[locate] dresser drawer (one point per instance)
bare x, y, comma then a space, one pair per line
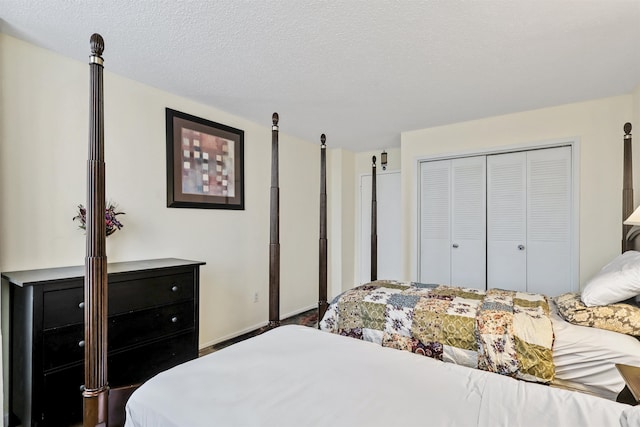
141, 363
66, 306
63, 402
63, 307
140, 326
149, 292
65, 345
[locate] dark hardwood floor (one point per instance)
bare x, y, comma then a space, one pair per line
307, 318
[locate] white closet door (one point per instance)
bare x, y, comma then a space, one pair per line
435, 253
549, 221
468, 222
506, 221
389, 207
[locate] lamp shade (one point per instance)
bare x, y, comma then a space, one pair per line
634, 218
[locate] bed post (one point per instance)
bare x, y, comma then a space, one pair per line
322, 282
96, 390
274, 246
627, 188
374, 223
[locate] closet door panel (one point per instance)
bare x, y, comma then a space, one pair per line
506, 221
468, 222
549, 221
435, 252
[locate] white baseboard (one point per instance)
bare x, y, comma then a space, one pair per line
253, 328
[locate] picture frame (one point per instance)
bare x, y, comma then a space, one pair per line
205, 163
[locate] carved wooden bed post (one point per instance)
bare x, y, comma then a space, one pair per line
374, 225
627, 188
96, 390
322, 272
274, 246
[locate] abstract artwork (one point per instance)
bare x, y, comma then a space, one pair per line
204, 163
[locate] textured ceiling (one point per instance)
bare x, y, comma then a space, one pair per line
359, 71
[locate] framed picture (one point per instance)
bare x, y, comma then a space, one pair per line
205, 163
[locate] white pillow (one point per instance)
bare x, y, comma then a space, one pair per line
617, 281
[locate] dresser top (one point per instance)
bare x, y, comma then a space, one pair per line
33, 277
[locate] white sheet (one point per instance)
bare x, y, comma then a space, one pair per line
585, 357
299, 376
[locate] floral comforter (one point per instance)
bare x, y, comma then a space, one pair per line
499, 331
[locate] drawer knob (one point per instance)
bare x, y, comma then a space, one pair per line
174, 288
174, 319
81, 305
81, 343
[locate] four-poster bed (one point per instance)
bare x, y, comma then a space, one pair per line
278, 377
268, 380
322, 262
627, 188
95, 287
152, 321
274, 246
374, 222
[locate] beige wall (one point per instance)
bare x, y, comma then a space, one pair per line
341, 201
635, 122
43, 140
598, 127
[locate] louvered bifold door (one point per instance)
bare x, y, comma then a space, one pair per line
468, 222
435, 254
506, 221
549, 221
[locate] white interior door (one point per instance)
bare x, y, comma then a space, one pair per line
506, 221
389, 211
468, 222
435, 214
549, 221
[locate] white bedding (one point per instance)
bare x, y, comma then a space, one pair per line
299, 376
585, 357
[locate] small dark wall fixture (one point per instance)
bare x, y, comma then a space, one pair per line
205, 163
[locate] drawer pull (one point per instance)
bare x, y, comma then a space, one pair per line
174, 288
81, 343
81, 305
174, 319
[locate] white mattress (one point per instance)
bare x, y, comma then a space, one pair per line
299, 376
585, 357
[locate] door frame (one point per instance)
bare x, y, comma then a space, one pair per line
573, 142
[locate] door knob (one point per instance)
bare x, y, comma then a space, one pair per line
521, 247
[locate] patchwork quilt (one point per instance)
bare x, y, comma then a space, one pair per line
500, 331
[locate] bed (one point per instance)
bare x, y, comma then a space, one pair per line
584, 358
293, 375
299, 376
512, 333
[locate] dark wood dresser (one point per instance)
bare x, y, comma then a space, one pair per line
153, 325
